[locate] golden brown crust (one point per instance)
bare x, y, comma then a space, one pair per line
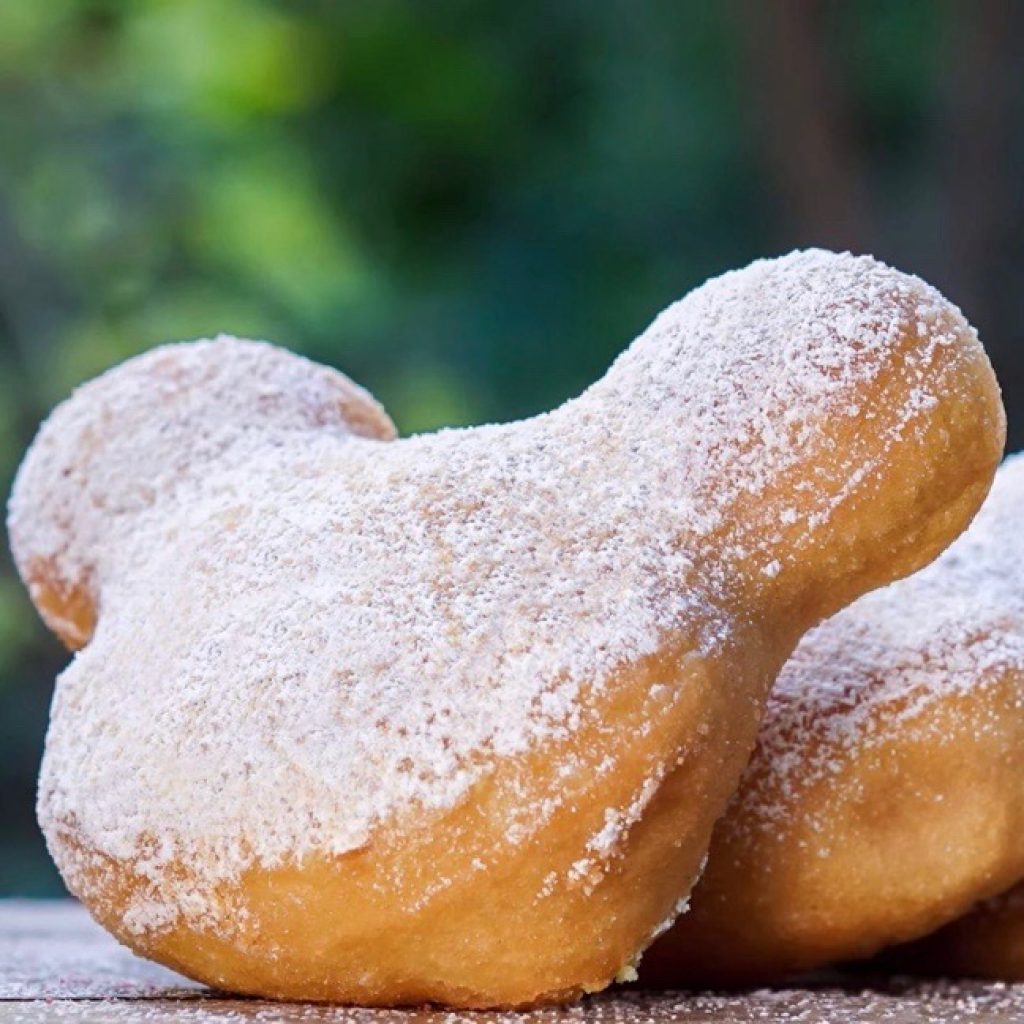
902, 840
68, 608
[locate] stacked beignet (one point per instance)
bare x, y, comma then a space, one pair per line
886, 793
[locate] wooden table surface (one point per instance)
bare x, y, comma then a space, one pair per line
56, 965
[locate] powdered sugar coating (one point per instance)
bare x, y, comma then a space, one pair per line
870, 674
139, 432
362, 630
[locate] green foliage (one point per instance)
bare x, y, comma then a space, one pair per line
468, 207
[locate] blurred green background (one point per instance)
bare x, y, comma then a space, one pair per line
469, 207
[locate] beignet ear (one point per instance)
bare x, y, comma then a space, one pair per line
138, 433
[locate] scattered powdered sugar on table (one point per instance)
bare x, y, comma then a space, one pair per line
52, 950
899, 1002
305, 632
873, 671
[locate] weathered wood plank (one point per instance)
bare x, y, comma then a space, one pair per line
56, 965
53, 950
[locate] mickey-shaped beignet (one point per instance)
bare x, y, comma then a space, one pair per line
450, 718
886, 793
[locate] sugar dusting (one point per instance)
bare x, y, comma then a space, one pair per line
932, 1003
318, 633
873, 671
